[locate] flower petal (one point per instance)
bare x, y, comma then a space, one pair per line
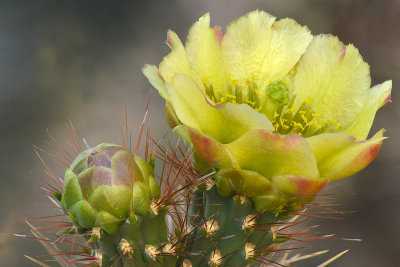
176, 61
378, 96
297, 186
351, 159
273, 154
236, 120
170, 116
209, 149
204, 53
335, 77
187, 101
153, 75
246, 182
257, 46
324, 145
225, 122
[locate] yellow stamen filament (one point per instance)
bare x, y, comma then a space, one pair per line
302, 121
304, 118
206, 80
230, 96
250, 102
287, 118
250, 81
234, 93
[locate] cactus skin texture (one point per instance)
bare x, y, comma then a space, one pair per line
112, 198
230, 236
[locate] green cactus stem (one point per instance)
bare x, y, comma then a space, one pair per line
229, 230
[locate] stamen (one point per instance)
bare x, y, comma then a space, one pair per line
234, 93
287, 118
230, 96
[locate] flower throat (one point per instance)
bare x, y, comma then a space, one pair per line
287, 118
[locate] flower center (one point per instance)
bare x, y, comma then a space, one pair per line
236, 93
302, 121
287, 118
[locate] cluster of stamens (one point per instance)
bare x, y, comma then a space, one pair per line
236, 93
301, 121
287, 118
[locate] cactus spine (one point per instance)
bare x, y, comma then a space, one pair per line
112, 198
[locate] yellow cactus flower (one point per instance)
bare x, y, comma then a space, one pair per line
281, 112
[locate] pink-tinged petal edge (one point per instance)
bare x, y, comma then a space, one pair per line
387, 100
306, 188
209, 149
367, 156
169, 41
218, 34
160, 75
360, 162
342, 52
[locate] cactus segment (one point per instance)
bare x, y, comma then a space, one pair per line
239, 224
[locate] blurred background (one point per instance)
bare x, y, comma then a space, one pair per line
81, 60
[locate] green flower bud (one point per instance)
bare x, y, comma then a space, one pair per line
107, 184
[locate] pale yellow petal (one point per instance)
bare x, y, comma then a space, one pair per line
176, 61
255, 46
224, 122
378, 96
274, 154
188, 102
153, 75
335, 77
204, 54
351, 159
324, 145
